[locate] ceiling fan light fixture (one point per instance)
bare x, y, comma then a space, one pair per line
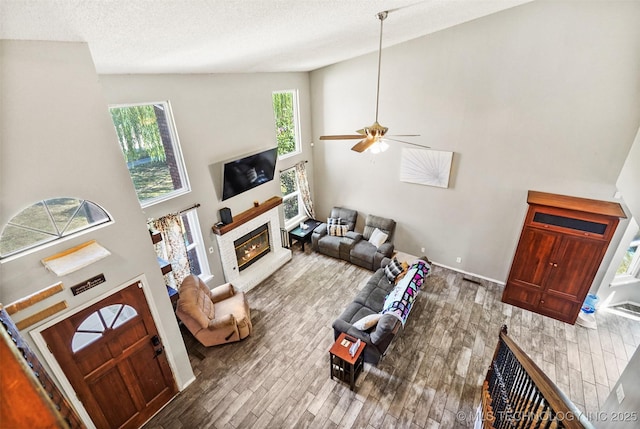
378, 147
372, 136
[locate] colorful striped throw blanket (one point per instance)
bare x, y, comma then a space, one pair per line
401, 298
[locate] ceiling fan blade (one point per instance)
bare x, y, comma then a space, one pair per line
341, 137
403, 141
363, 145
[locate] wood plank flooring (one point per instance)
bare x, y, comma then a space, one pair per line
430, 377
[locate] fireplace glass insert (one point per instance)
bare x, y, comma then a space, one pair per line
252, 246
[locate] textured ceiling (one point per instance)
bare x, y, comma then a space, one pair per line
231, 36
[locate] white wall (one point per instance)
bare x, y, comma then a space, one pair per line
218, 117
542, 96
629, 186
58, 141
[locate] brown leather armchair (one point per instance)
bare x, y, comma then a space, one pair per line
214, 316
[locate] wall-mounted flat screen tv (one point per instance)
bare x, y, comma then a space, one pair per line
246, 173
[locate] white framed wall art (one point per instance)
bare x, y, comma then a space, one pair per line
426, 167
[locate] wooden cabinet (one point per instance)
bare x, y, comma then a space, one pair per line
560, 250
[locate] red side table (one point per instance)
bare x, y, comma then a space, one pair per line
343, 366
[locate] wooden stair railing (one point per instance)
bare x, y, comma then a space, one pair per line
517, 394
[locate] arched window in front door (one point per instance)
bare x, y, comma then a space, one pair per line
93, 327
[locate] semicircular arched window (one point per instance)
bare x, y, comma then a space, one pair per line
94, 326
47, 221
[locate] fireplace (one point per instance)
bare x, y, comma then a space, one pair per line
229, 236
252, 246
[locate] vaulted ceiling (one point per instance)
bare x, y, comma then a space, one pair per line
231, 36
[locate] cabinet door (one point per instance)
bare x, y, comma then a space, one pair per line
530, 267
573, 267
531, 263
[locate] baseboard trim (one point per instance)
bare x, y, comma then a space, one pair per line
468, 273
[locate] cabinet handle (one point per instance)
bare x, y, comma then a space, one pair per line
553, 264
542, 301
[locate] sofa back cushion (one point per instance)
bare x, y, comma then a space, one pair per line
195, 306
347, 216
388, 226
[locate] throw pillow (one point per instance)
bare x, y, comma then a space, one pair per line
405, 268
367, 322
392, 270
333, 221
338, 230
378, 238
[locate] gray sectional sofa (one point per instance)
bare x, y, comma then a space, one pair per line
388, 301
353, 246
369, 301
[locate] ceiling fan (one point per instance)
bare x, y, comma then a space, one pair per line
372, 137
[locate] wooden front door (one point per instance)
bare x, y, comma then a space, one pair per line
113, 358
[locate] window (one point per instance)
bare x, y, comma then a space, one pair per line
630, 265
195, 247
149, 143
285, 109
182, 246
93, 327
291, 200
628, 270
47, 221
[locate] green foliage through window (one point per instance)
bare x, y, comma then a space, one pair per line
285, 109
47, 221
630, 260
149, 145
290, 194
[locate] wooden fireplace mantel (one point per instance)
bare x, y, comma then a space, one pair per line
247, 215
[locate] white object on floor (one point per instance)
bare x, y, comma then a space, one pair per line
587, 320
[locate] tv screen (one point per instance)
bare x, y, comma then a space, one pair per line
248, 172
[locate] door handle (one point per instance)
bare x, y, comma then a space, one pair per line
155, 341
158, 352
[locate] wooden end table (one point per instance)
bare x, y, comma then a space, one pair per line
303, 235
343, 366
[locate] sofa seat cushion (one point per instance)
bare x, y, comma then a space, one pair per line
235, 305
372, 296
330, 245
355, 312
363, 250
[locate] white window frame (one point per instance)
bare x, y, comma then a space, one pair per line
177, 152
198, 245
632, 275
301, 216
296, 122
60, 235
